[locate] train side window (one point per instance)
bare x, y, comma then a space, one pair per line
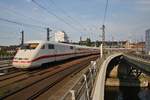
71, 47
50, 46
43, 47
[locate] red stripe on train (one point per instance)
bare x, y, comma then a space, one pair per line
48, 56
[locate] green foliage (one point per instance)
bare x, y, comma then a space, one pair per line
97, 44
88, 42
4, 53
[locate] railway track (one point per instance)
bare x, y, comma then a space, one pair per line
5, 62
30, 85
6, 67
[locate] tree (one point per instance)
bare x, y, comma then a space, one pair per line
88, 42
97, 43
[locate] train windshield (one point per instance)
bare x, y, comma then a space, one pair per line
29, 46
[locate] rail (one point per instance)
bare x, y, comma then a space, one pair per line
86, 86
6, 57
5, 70
83, 88
98, 92
142, 62
140, 56
5, 67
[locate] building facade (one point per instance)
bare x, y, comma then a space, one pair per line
61, 36
147, 41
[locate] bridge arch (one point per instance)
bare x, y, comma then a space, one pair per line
98, 93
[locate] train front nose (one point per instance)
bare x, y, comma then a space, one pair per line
21, 64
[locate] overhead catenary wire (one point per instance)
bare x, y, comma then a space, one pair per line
105, 12
29, 17
21, 24
104, 20
53, 14
22, 14
84, 28
67, 15
8, 37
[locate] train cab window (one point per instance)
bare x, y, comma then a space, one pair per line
71, 47
50, 46
29, 46
43, 47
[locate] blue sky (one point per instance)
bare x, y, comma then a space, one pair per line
126, 19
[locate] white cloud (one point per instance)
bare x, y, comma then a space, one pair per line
144, 2
28, 0
143, 5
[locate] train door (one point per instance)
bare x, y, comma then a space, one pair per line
71, 51
51, 52
59, 52
47, 53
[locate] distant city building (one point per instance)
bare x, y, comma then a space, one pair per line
117, 44
109, 44
9, 49
2, 47
61, 37
147, 41
139, 46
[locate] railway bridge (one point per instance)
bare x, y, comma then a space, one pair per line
112, 69
125, 66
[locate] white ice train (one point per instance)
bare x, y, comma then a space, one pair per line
36, 53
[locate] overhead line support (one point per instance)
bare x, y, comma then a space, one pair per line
48, 34
103, 34
22, 37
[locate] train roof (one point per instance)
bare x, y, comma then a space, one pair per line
35, 41
43, 42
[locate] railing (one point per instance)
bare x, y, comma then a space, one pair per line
6, 57
140, 56
83, 88
99, 88
141, 61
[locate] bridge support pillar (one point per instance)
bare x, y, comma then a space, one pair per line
73, 94
91, 76
87, 89
134, 71
101, 50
